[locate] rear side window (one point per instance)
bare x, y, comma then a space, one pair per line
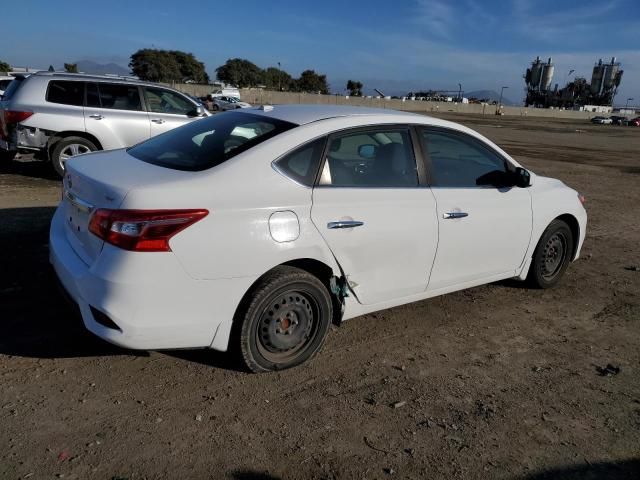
66, 92
301, 165
209, 142
13, 87
114, 96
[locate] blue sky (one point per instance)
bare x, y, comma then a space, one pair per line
395, 46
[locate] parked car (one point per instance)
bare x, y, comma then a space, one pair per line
254, 230
228, 103
226, 92
619, 120
601, 120
634, 122
60, 115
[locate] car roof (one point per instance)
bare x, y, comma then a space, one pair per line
303, 114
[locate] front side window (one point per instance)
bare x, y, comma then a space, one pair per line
160, 100
376, 158
209, 142
301, 165
66, 92
459, 160
118, 96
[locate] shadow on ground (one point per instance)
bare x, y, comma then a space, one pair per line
624, 470
35, 317
27, 167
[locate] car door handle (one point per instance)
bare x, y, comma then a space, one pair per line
96, 116
157, 120
454, 215
345, 224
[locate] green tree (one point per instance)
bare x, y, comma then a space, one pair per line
4, 66
167, 66
355, 88
276, 79
190, 67
311, 82
240, 72
71, 67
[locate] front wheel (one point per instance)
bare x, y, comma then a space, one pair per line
285, 320
69, 147
551, 256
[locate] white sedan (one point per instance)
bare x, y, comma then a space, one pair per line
254, 230
228, 103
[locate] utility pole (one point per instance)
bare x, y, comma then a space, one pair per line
499, 107
279, 77
460, 92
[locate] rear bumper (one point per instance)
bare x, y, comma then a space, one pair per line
149, 296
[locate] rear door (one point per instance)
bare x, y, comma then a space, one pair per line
168, 109
484, 227
114, 114
375, 213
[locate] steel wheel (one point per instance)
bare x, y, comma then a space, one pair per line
283, 320
286, 326
551, 256
554, 255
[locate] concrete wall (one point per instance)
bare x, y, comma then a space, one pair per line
259, 97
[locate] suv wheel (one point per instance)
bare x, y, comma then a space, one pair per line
67, 148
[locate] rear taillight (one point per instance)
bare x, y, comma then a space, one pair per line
15, 116
142, 230
581, 198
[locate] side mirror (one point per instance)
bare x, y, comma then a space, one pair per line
522, 178
197, 112
367, 151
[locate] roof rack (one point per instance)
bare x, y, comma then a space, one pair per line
90, 75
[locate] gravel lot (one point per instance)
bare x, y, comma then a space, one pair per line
494, 382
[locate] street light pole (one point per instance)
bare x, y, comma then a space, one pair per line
279, 77
499, 107
460, 92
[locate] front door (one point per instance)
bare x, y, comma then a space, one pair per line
485, 227
377, 218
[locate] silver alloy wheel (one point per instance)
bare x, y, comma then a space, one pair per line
72, 150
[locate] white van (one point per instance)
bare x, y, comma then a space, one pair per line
226, 92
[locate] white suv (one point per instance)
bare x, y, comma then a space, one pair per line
60, 115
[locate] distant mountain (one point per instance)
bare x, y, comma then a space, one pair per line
490, 95
87, 66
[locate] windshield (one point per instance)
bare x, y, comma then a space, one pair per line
209, 142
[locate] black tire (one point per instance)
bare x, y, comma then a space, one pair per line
551, 256
215, 107
57, 156
7, 156
284, 320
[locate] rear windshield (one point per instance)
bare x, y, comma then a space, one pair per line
208, 142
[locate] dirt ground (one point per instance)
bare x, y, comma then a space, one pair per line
499, 381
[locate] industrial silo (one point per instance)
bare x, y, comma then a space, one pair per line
597, 77
547, 76
611, 72
536, 73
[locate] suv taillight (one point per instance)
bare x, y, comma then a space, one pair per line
142, 230
15, 116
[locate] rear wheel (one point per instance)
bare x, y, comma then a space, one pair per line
552, 255
285, 320
67, 148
